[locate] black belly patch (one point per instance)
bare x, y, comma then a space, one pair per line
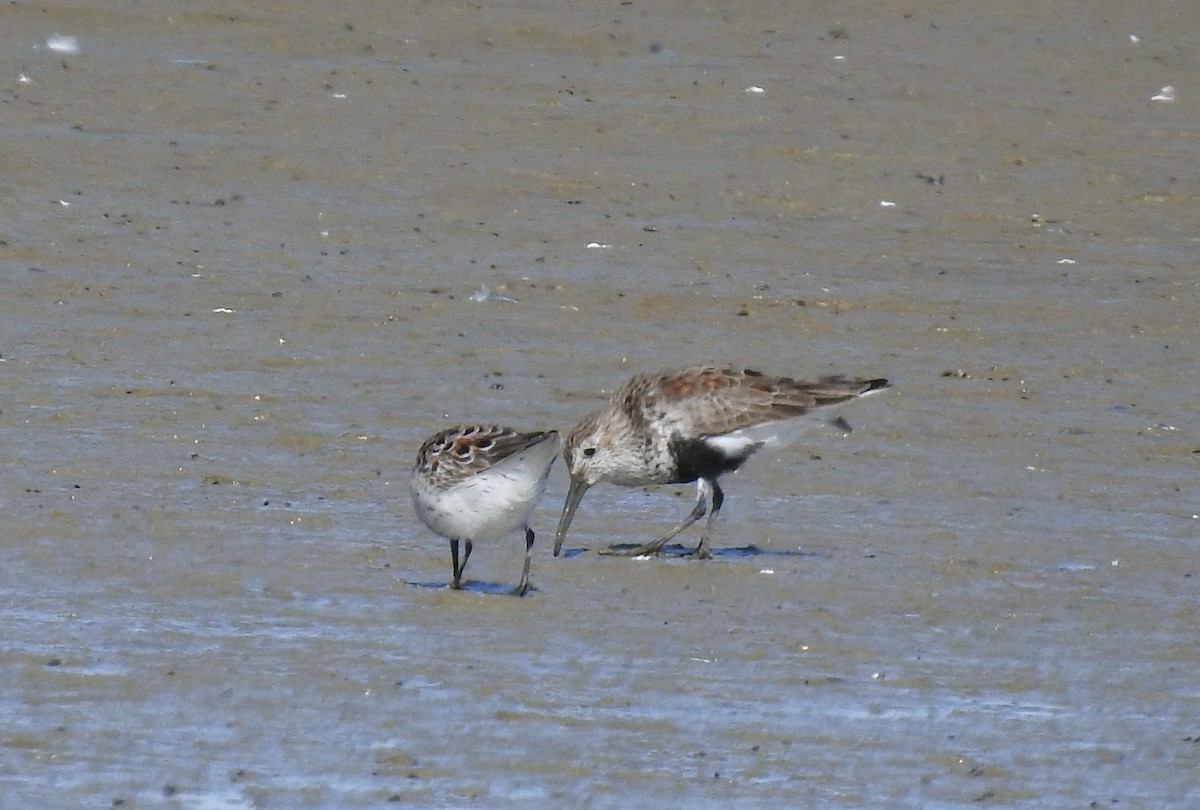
696, 459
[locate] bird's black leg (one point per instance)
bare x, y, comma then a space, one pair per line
702, 551
524, 585
704, 487
458, 569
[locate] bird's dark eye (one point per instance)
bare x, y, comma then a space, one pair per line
588, 452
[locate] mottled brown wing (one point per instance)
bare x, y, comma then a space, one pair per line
475, 447
705, 401
510, 443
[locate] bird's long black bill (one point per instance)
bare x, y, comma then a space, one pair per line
574, 496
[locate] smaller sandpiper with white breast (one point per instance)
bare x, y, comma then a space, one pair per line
481, 482
694, 424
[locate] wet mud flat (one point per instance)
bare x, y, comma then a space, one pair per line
250, 258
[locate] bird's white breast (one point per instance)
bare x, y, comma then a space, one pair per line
491, 503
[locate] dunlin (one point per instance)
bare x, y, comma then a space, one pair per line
481, 482
693, 425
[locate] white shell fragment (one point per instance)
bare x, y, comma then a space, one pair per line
483, 295
60, 43
1166, 94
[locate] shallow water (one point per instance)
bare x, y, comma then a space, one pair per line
237, 258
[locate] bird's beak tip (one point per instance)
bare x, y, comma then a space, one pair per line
574, 495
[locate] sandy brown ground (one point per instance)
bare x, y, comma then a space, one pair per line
238, 246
